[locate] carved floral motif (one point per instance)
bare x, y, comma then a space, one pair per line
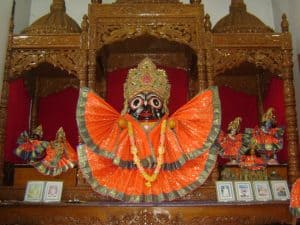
24, 60
228, 58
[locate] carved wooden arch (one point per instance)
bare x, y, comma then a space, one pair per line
268, 59
25, 60
180, 33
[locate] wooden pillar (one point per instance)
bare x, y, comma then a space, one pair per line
201, 70
83, 70
4, 98
92, 59
290, 115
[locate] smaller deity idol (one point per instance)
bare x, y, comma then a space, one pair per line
269, 138
31, 147
252, 162
232, 141
295, 199
59, 156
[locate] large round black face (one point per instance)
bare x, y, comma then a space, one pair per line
146, 106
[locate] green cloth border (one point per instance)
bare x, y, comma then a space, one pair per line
295, 211
149, 162
87, 173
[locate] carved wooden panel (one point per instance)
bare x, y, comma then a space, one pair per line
24, 60
46, 41
227, 58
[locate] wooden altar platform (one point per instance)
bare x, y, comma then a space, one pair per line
116, 213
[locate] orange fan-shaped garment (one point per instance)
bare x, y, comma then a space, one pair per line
295, 198
59, 158
190, 147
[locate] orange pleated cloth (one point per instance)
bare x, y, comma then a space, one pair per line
190, 142
59, 158
231, 146
295, 198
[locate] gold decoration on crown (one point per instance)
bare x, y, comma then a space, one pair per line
269, 115
38, 131
60, 133
235, 124
146, 78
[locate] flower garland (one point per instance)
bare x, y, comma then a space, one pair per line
161, 150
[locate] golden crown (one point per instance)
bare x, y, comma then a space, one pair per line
38, 131
235, 124
60, 133
269, 115
146, 78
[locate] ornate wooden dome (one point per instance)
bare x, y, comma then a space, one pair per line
55, 22
240, 21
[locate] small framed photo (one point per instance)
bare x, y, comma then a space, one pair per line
262, 191
34, 191
225, 192
280, 190
53, 191
243, 191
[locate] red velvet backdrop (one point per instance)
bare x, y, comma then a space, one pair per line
177, 77
59, 110
17, 118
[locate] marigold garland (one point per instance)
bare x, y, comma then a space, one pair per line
161, 150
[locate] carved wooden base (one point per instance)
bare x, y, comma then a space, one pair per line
174, 213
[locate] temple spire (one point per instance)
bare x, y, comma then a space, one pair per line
58, 5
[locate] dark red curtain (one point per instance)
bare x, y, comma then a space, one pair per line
177, 77
59, 110
17, 118
275, 98
236, 104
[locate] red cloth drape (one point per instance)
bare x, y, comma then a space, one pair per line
17, 118
177, 77
234, 104
59, 110
275, 98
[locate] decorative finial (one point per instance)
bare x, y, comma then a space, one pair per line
237, 5
84, 23
207, 23
195, 2
284, 24
58, 5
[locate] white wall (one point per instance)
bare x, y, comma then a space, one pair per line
22, 15
5, 12
216, 8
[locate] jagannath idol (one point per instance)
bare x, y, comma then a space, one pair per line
143, 154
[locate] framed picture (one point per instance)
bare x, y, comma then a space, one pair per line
243, 190
225, 192
280, 190
53, 191
34, 191
262, 191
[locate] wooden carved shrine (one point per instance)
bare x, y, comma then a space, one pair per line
56, 54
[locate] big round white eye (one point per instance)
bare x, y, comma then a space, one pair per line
155, 102
136, 103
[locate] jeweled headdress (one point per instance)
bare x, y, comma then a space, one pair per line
235, 124
146, 78
38, 131
269, 115
60, 133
